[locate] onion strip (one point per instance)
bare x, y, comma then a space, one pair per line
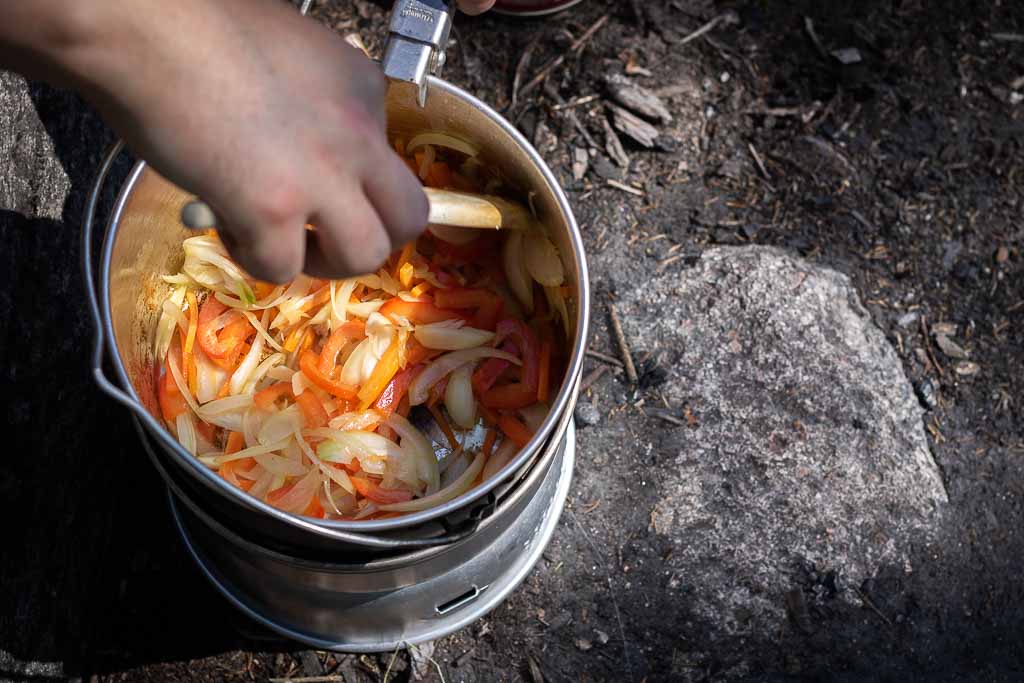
456, 489
442, 140
439, 369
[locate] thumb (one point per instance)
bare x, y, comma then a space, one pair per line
475, 6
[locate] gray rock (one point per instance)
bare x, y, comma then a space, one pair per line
587, 414
810, 450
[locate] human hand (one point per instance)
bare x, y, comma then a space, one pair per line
475, 6
275, 122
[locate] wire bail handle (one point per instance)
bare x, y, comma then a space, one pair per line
417, 38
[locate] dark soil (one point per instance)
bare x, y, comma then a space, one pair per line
904, 170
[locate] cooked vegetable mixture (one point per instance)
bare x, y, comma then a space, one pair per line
317, 396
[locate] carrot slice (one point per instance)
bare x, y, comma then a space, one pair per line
545, 371
235, 442
489, 440
515, 430
445, 427
368, 488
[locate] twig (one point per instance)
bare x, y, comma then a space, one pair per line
668, 417
928, 347
759, 161
552, 92
310, 679
809, 27
391, 663
559, 60
575, 102
592, 377
1009, 37
625, 188
620, 337
611, 360
611, 592
524, 61
874, 608
727, 17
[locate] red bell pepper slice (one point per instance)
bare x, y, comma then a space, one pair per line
266, 398
172, 403
523, 336
308, 363
510, 396
313, 413
396, 389
490, 370
353, 329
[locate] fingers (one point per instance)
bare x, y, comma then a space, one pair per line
265, 236
475, 6
398, 198
349, 238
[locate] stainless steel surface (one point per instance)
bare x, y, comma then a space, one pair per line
378, 606
417, 37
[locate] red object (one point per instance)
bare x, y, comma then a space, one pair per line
308, 363
396, 388
515, 430
491, 369
172, 403
313, 413
418, 313
510, 396
533, 7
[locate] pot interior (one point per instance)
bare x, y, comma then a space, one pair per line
145, 235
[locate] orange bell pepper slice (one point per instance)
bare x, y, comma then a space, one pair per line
419, 312
386, 369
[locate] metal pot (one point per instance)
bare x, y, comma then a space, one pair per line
243, 543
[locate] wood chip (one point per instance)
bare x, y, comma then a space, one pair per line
580, 163
949, 347
633, 126
613, 146
967, 368
637, 98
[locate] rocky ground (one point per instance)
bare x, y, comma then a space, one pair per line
816, 263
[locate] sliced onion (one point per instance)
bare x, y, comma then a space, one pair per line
515, 271
186, 432
439, 369
341, 297
262, 331
210, 377
454, 466
280, 466
429, 155
442, 140
370, 280
262, 370
456, 489
248, 365
281, 374
280, 425
362, 420
172, 363
450, 338
366, 308
165, 327
369, 509
298, 498
218, 460
263, 485
458, 397
338, 476
541, 259
371, 450
414, 442
499, 458
342, 502
226, 405
234, 422
534, 416
557, 302
453, 235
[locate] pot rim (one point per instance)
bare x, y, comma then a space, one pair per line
561, 404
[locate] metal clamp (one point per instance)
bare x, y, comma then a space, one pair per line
417, 38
